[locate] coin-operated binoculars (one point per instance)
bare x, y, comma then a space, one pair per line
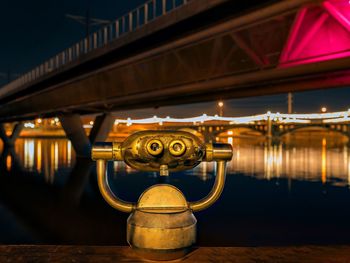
161, 224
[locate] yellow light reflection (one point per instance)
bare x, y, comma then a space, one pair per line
287, 168
69, 152
63, 153
8, 162
287, 171
38, 156
345, 161
324, 161
278, 160
116, 167
204, 166
268, 160
50, 176
56, 156
29, 154
311, 159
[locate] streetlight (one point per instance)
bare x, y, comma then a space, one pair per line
221, 110
323, 109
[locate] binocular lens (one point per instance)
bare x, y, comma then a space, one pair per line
155, 147
177, 148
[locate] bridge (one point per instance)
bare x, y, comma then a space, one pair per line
169, 52
270, 125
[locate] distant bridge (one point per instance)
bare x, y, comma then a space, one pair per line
271, 125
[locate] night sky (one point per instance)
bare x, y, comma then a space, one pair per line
33, 31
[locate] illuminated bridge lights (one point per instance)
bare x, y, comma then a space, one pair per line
330, 117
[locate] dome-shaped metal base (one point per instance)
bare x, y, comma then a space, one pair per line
162, 227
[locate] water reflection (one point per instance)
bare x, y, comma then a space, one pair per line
29, 154
272, 188
44, 156
39, 154
314, 160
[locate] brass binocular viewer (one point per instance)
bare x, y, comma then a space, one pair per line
161, 224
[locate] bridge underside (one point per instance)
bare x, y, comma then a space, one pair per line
260, 52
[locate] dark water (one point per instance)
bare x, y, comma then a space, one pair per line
289, 193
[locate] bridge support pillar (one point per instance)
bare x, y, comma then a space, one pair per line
73, 127
102, 126
10, 140
269, 127
274, 140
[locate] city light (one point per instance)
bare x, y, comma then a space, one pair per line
324, 109
29, 125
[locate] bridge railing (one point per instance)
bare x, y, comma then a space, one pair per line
129, 22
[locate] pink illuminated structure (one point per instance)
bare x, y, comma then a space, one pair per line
319, 33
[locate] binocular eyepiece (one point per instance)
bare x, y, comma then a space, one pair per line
150, 150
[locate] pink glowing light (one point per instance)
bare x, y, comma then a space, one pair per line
319, 33
293, 35
337, 14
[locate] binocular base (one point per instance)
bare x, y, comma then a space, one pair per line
161, 222
162, 232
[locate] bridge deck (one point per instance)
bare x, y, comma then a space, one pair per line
105, 254
87, 59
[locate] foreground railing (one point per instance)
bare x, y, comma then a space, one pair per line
130, 22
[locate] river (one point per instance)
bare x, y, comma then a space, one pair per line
290, 192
